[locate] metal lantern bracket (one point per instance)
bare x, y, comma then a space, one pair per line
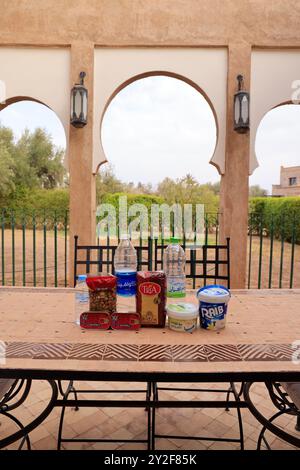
241, 108
79, 103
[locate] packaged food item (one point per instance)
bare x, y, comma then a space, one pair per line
125, 264
102, 292
95, 320
81, 297
125, 321
182, 316
174, 267
213, 301
151, 298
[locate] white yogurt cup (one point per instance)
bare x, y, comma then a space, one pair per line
213, 301
182, 316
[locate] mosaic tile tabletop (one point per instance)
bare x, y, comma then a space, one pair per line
37, 330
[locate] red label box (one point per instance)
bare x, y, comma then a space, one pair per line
104, 321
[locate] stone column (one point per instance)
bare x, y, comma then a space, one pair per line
235, 181
82, 180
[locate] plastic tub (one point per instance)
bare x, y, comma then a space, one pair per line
213, 301
182, 316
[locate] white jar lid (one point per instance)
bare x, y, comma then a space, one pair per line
214, 294
183, 310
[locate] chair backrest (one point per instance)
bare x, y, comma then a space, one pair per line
210, 263
103, 256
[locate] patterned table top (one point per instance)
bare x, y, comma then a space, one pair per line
37, 331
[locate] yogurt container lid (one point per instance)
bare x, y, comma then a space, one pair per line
183, 310
214, 294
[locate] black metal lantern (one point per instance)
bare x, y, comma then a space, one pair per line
79, 103
241, 108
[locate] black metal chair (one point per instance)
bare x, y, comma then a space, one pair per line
282, 398
12, 394
104, 258
215, 264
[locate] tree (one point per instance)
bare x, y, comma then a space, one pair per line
31, 162
45, 161
6, 162
215, 187
107, 182
167, 189
6, 172
257, 191
187, 190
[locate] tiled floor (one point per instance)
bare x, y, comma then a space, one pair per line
116, 423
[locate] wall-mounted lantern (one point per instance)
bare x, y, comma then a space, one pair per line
241, 108
79, 103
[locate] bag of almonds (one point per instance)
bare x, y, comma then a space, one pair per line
102, 292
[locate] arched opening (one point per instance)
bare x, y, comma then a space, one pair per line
159, 134
34, 197
163, 119
277, 144
157, 129
274, 259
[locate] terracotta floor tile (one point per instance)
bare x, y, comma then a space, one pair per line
121, 433
88, 422
39, 433
104, 446
215, 428
165, 444
194, 445
48, 443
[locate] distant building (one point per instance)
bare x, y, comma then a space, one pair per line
289, 182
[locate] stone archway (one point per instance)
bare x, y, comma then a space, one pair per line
198, 100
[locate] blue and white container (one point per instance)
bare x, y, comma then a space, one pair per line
81, 297
125, 264
213, 302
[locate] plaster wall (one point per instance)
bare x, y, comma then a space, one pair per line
205, 67
42, 74
275, 80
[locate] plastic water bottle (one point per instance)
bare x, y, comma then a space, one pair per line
174, 267
81, 297
125, 264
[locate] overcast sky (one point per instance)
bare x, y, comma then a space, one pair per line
160, 126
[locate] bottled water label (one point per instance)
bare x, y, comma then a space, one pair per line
82, 297
126, 283
81, 304
175, 287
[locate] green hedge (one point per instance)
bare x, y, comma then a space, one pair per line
146, 199
282, 215
49, 204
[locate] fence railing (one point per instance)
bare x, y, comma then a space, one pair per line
34, 249
274, 250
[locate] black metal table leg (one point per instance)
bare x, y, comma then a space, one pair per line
25, 430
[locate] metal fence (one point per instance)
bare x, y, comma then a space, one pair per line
34, 249
274, 250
